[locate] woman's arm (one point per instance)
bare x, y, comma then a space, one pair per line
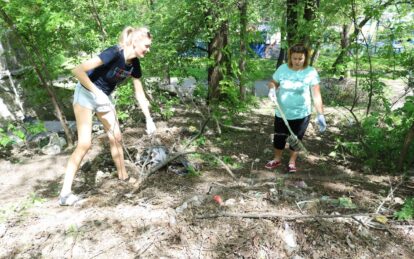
80, 72
144, 104
317, 98
272, 84
141, 98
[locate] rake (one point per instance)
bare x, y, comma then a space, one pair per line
292, 139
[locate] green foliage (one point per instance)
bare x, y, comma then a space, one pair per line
125, 101
35, 128
9, 134
164, 104
231, 162
346, 202
201, 141
59, 34
407, 211
5, 140
231, 97
259, 69
382, 134
5, 136
200, 92
192, 171
21, 209
74, 231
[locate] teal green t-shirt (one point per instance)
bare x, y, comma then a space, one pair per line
294, 92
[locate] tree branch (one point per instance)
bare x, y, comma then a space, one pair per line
269, 215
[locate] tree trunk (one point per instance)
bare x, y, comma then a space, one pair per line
215, 52
355, 33
315, 54
98, 21
243, 47
407, 142
309, 15
291, 21
281, 57
39, 68
345, 42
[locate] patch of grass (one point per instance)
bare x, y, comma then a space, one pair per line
74, 231
20, 210
193, 172
407, 211
231, 163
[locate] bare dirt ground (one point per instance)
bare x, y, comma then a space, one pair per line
264, 214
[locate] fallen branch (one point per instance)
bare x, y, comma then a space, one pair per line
281, 215
107, 249
228, 170
390, 194
236, 128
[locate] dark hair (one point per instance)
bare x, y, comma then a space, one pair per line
299, 48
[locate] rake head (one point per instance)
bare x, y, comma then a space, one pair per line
295, 143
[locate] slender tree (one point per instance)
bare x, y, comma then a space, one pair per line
243, 4
369, 14
41, 71
409, 138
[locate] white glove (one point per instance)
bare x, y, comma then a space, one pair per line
103, 104
322, 123
150, 126
272, 94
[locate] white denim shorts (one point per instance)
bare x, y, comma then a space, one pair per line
86, 98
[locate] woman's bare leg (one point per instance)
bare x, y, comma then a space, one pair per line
278, 154
111, 126
293, 157
84, 126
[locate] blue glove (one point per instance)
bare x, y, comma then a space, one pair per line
322, 123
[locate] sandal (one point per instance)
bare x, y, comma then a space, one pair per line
129, 179
291, 168
69, 199
272, 164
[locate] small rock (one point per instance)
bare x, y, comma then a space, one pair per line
3, 230
51, 150
230, 202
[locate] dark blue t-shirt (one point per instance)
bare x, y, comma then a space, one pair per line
114, 70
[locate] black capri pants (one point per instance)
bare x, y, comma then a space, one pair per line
298, 127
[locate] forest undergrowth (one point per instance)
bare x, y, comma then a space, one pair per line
226, 205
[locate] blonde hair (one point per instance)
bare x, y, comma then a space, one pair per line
299, 48
131, 34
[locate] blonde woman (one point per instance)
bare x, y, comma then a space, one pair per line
98, 77
294, 86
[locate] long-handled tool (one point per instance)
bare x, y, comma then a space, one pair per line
292, 139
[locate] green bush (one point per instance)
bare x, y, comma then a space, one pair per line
407, 211
382, 135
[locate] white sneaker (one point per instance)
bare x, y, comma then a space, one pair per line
68, 200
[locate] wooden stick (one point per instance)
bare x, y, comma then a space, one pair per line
228, 170
281, 215
236, 128
390, 193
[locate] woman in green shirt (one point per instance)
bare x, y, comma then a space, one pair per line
293, 87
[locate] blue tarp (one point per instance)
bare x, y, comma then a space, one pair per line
259, 49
